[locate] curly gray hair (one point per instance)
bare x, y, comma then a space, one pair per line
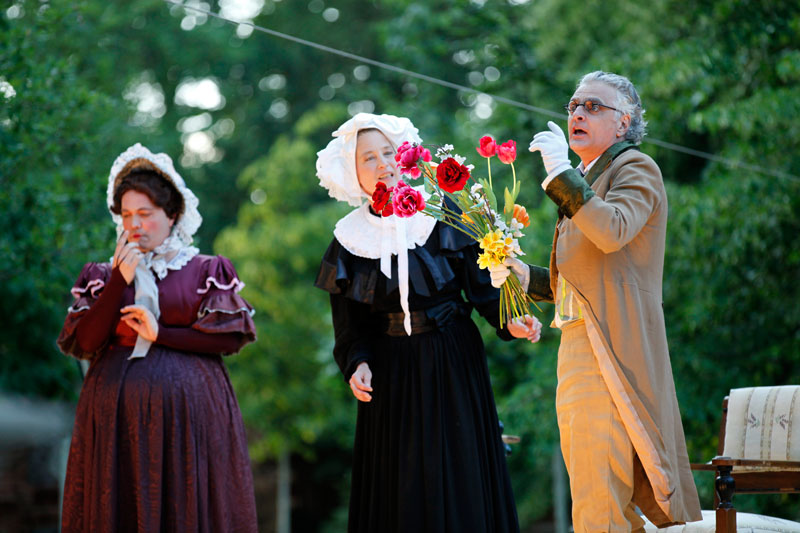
628, 101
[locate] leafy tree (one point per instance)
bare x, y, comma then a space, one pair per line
52, 214
284, 379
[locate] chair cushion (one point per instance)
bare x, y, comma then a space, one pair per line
763, 423
745, 522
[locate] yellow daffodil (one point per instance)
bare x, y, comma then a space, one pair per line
485, 260
493, 242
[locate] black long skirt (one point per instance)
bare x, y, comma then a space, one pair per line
428, 453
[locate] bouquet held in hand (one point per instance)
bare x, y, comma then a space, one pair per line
472, 210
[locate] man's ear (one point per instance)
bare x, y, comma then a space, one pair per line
624, 124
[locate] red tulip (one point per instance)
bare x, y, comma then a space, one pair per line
487, 146
507, 152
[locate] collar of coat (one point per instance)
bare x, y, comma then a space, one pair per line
570, 191
608, 156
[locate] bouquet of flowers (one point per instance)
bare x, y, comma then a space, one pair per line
472, 210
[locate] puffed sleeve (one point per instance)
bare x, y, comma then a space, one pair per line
222, 310
351, 284
95, 284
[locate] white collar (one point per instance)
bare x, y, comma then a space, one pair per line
585, 170
366, 235
372, 237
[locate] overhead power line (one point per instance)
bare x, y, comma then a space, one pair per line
436, 81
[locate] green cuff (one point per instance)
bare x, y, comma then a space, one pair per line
569, 191
539, 286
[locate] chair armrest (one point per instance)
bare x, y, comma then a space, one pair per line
755, 463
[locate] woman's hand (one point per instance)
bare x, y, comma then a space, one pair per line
527, 327
361, 383
141, 320
126, 257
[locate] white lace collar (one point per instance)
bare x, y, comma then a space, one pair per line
160, 260
366, 235
372, 237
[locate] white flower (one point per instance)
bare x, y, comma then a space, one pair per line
476, 188
444, 151
459, 159
513, 248
7, 90
516, 228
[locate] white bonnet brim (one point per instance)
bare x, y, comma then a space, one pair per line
336, 163
138, 157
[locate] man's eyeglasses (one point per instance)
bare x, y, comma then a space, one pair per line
589, 105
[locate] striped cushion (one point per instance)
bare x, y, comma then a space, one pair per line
745, 523
763, 423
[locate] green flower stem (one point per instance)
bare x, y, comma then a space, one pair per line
514, 175
514, 302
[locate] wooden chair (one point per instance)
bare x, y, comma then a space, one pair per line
759, 447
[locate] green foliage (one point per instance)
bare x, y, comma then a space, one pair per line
53, 181
290, 390
717, 76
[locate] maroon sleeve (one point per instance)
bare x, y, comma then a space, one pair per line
223, 311
192, 340
96, 325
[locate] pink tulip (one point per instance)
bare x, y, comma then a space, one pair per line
507, 152
487, 146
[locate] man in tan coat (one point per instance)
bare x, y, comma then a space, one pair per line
621, 432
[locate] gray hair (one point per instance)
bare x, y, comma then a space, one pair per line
628, 101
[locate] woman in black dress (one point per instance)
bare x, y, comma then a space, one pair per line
428, 453
158, 442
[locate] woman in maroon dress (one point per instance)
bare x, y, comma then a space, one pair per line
158, 442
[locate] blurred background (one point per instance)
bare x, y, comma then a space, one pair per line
243, 113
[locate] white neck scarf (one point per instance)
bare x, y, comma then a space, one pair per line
172, 254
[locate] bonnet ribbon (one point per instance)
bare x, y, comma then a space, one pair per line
387, 250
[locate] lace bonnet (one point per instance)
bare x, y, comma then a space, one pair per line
336, 163
137, 157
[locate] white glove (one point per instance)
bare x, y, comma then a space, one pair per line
554, 148
499, 273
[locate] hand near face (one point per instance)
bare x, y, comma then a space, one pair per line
141, 320
126, 257
553, 146
526, 327
361, 383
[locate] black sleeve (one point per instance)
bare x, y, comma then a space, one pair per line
354, 328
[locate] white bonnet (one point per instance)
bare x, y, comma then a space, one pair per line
138, 157
336, 163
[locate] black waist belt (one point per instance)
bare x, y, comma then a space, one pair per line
426, 319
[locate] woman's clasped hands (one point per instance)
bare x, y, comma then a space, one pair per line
126, 257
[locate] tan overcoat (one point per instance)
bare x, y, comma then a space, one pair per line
611, 251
